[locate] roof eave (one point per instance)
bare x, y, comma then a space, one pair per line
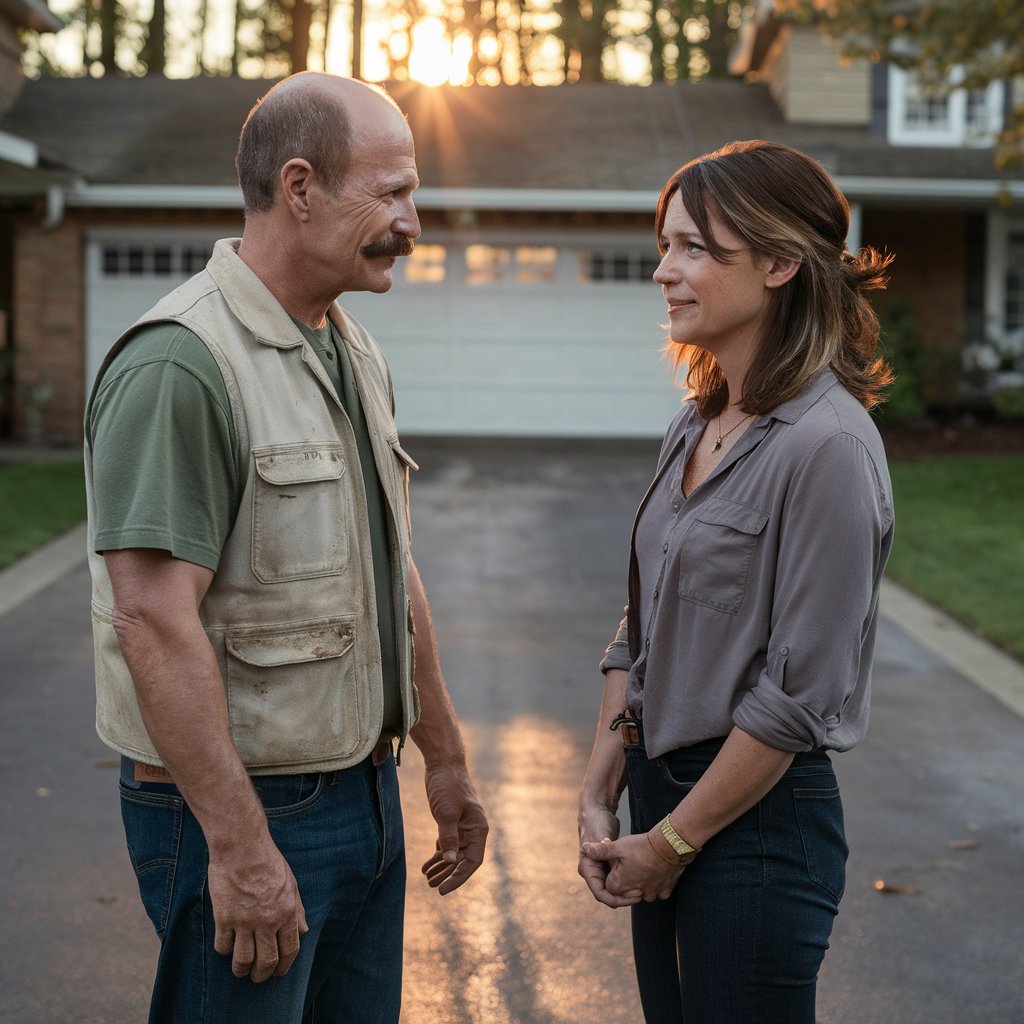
856, 188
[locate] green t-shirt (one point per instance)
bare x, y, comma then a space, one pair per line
169, 473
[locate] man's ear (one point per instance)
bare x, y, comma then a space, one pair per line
296, 176
780, 270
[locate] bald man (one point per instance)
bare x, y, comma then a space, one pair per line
256, 610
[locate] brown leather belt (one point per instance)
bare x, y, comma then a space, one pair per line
627, 724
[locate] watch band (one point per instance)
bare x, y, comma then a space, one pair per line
684, 851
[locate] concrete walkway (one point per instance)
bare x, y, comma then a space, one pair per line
522, 548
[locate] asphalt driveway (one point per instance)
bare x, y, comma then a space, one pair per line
523, 548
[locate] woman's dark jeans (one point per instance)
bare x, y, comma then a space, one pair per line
742, 937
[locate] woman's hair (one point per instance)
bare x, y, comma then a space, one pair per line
783, 203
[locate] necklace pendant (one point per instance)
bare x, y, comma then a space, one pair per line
718, 445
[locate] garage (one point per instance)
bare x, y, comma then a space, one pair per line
515, 333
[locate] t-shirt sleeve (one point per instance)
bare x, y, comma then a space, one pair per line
166, 469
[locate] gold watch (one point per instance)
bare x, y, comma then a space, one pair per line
684, 851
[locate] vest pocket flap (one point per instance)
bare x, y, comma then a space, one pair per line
721, 512
283, 465
313, 641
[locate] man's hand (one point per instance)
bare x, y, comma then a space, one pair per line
461, 828
257, 912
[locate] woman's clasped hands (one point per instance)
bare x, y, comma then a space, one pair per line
626, 871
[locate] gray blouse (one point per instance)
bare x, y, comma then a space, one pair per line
753, 602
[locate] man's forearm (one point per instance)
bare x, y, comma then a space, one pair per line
437, 733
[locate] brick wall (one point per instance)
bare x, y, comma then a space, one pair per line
930, 273
48, 332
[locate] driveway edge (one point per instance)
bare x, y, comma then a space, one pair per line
984, 664
28, 575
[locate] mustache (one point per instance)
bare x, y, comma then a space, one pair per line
392, 247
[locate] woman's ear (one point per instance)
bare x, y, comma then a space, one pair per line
780, 270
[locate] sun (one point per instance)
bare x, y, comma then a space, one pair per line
435, 58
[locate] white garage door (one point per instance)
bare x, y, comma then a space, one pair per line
514, 335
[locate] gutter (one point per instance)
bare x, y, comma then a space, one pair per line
856, 188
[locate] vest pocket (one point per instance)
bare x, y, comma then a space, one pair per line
301, 511
292, 693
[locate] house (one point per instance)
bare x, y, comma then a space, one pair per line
527, 308
19, 158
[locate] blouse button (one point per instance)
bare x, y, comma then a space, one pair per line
655, 593
665, 549
784, 651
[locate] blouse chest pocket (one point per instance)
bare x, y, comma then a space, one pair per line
716, 551
301, 511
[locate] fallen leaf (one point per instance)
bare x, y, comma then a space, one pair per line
108, 762
881, 886
44, 791
964, 844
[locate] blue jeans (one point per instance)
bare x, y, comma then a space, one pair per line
742, 937
341, 833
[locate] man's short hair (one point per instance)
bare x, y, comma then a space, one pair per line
285, 124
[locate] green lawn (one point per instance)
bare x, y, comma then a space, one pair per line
38, 501
960, 540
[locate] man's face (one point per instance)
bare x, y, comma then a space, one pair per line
356, 235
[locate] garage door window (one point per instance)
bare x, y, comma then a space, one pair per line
613, 265
426, 265
153, 260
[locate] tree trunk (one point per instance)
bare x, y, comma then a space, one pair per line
302, 19
204, 17
108, 36
234, 38
154, 49
357, 38
716, 46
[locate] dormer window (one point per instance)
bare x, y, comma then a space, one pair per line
920, 116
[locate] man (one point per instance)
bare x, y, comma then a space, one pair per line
256, 612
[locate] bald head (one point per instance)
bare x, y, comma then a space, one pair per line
310, 116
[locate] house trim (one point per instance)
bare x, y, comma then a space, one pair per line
230, 197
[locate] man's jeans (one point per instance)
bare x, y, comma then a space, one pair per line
341, 833
743, 935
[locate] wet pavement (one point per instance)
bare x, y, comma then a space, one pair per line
523, 548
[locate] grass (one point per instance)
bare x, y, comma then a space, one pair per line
960, 540
38, 501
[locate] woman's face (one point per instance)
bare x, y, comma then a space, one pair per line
716, 306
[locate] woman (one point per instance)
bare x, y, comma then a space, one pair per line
757, 553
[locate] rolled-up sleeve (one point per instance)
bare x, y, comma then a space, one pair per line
616, 654
833, 544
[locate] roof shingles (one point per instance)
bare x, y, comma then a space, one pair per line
157, 131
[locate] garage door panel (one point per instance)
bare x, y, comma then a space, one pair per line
562, 358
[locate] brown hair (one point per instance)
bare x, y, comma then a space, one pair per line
286, 123
783, 203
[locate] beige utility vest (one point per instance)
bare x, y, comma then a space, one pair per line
291, 612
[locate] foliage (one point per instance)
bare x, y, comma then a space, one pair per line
1008, 403
540, 41
38, 501
960, 540
903, 347
947, 42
